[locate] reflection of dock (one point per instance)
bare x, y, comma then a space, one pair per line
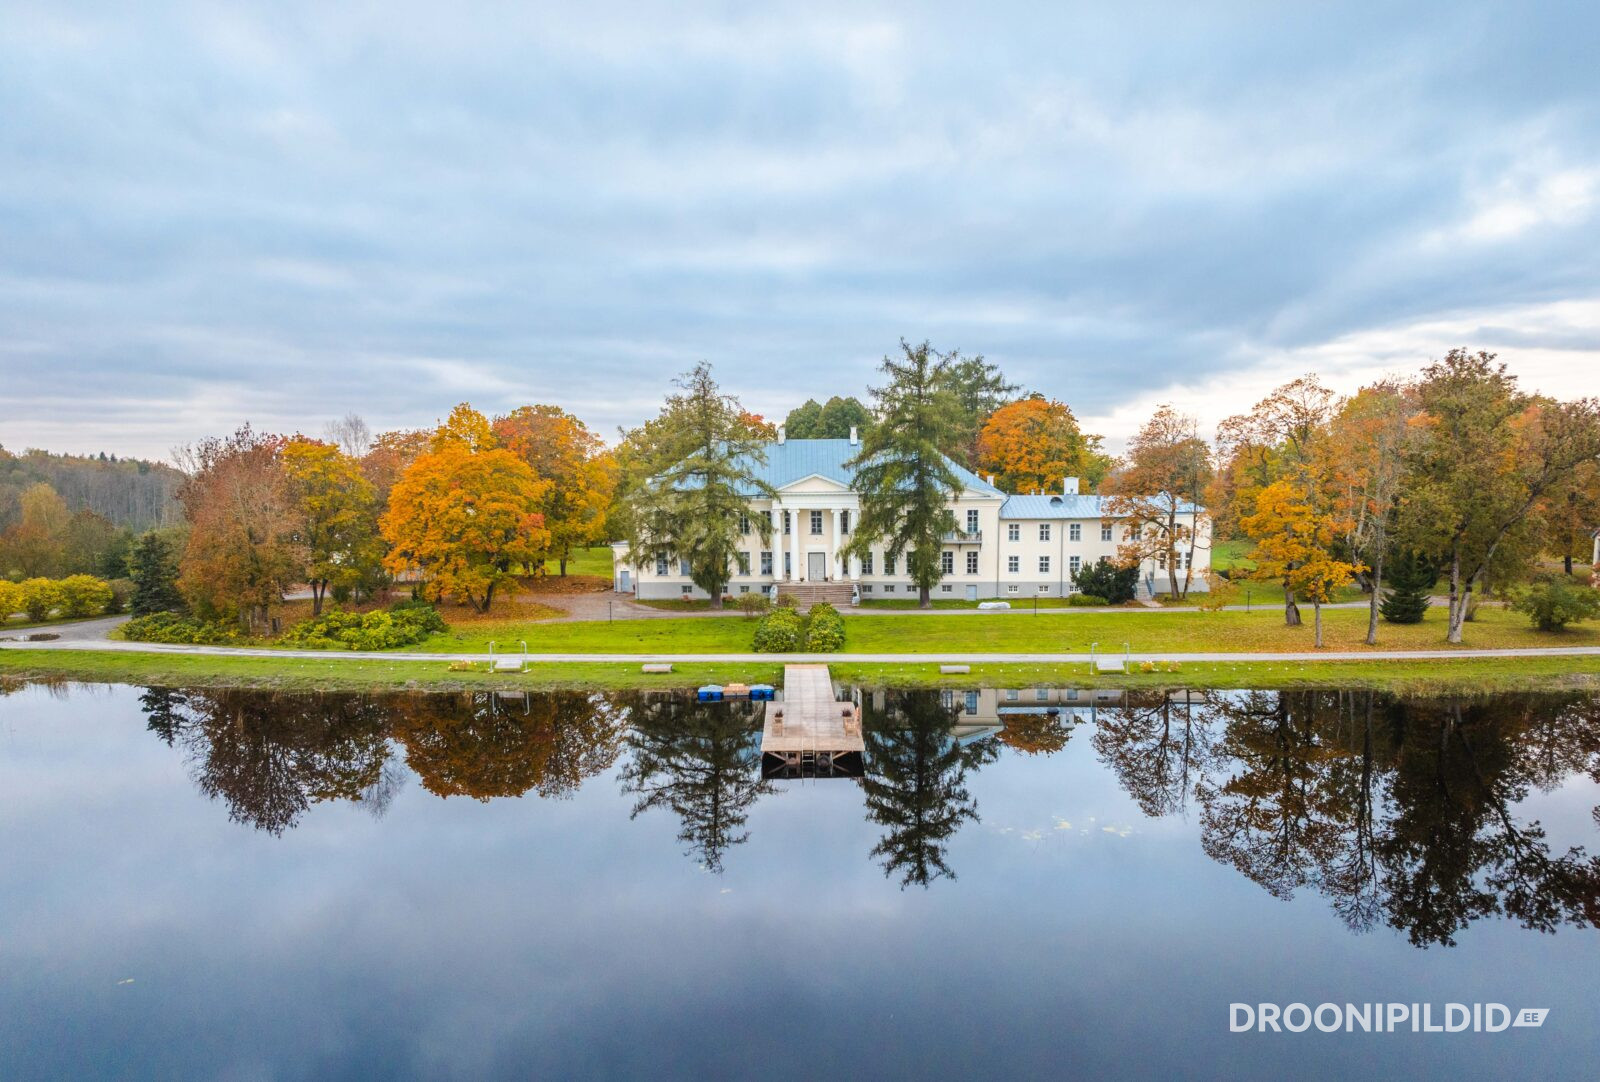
809, 734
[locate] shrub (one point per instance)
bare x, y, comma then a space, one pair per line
1552, 604
779, 632
175, 627
1086, 601
1105, 579
754, 604
84, 595
825, 631
403, 625
786, 601
10, 599
40, 597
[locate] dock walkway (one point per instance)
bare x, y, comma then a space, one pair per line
810, 734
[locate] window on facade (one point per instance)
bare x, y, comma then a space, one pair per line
888, 589
945, 589
766, 563
844, 521
866, 587
972, 563
866, 564
972, 521
1044, 587
661, 565
972, 702
788, 565
787, 523
1105, 533
1041, 694
744, 523
1044, 531
1073, 564
1011, 589
888, 564
1044, 565
744, 589
1011, 695
1014, 564
744, 563
1014, 532
947, 698
1075, 532
816, 523
947, 562
683, 567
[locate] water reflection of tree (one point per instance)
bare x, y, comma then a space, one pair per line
270, 757
1399, 811
1043, 733
702, 761
485, 745
1157, 748
915, 782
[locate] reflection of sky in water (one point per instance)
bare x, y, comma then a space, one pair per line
539, 938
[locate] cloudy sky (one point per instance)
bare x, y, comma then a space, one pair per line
214, 212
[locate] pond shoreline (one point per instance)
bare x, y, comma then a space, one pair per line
337, 672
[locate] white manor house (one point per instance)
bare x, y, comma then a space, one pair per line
1008, 547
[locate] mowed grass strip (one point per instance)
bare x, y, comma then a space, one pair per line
1060, 632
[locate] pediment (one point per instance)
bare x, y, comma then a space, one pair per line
813, 483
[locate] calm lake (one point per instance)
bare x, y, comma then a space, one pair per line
1021, 883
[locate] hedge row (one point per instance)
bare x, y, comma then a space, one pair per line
404, 625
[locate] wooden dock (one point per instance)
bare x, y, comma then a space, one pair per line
809, 734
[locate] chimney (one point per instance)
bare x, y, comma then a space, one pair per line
855, 436
991, 480
1069, 486
782, 435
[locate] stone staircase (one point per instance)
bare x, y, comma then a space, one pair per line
807, 594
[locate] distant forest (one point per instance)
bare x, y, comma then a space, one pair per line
130, 493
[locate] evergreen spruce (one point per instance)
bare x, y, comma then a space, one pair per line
1410, 578
154, 572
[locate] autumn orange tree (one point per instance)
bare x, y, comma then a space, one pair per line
1156, 490
1032, 443
562, 451
1363, 459
1296, 534
338, 521
243, 548
465, 514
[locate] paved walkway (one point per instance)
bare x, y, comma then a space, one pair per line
886, 659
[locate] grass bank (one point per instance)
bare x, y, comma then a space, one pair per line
314, 672
1060, 631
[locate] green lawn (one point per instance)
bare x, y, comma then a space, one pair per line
1060, 632
1227, 555
595, 560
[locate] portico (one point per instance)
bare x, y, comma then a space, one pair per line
811, 521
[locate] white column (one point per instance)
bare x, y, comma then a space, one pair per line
834, 562
799, 556
855, 568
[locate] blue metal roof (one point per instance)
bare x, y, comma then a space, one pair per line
1064, 507
795, 460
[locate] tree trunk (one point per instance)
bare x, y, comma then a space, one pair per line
716, 598
318, 589
1566, 562
1372, 604
1316, 610
1458, 603
1291, 611
924, 597
488, 597
563, 562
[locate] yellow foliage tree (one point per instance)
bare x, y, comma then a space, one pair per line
465, 520
1294, 543
337, 508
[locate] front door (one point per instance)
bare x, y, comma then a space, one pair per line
624, 586
816, 566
